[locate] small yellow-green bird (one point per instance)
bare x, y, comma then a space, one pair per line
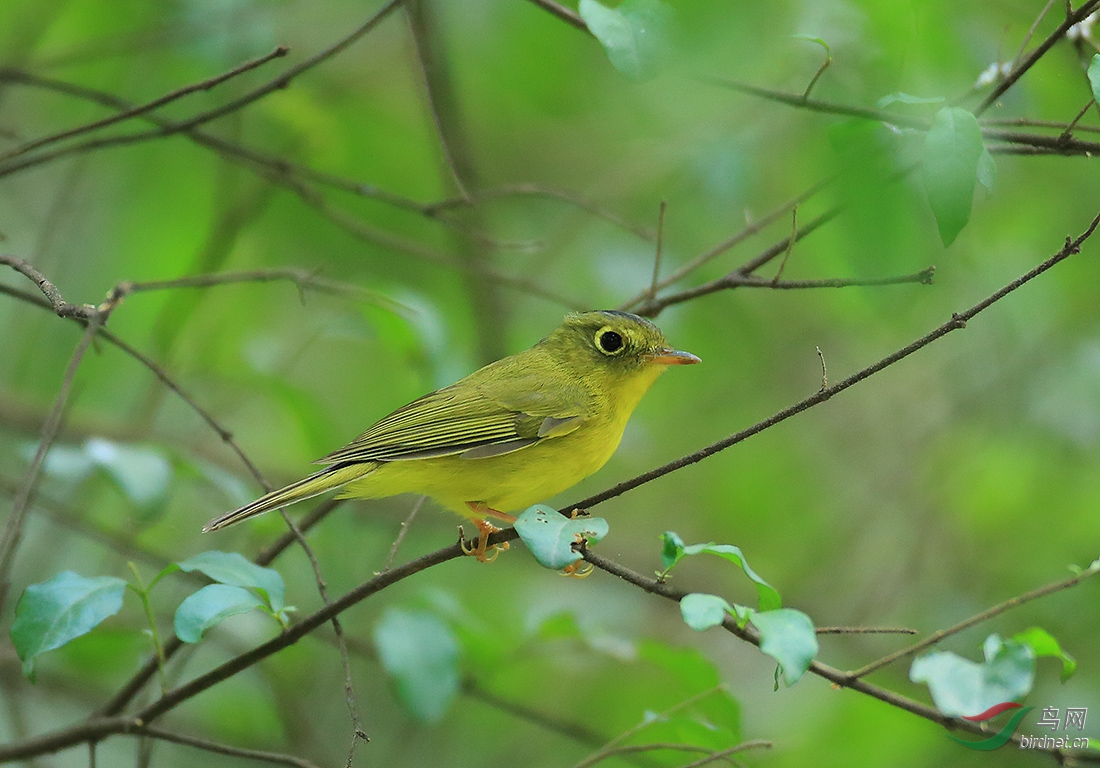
508, 435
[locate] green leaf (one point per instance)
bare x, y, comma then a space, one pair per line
550, 536
635, 34
812, 39
691, 673
1044, 645
672, 549
234, 569
1094, 76
952, 150
768, 598
961, 687
211, 605
907, 98
54, 612
420, 653
788, 637
142, 473
701, 611
987, 170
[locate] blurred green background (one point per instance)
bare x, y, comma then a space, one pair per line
964, 475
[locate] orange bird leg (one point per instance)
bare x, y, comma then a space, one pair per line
481, 550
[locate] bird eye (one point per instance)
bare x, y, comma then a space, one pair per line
609, 342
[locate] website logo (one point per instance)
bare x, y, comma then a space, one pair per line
1075, 718
1001, 737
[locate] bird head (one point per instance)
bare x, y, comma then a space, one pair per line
615, 341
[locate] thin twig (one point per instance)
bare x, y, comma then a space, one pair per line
986, 615
790, 246
1031, 32
61, 307
279, 167
137, 111
575, 731
402, 532
957, 321
13, 530
865, 631
833, 675
742, 276
820, 71
368, 234
1062, 146
727, 244
301, 278
538, 190
278, 83
1019, 70
563, 13
266, 556
824, 372
1067, 134
657, 746
652, 292
439, 93
97, 728
1023, 122
724, 753
816, 105
357, 731
276, 758
75, 521
614, 744
225, 435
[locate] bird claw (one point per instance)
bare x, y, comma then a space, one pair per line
578, 570
481, 549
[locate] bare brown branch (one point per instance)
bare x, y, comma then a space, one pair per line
957, 321
979, 618
137, 111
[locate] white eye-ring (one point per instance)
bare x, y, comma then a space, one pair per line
609, 342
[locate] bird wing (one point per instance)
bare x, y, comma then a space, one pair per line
481, 416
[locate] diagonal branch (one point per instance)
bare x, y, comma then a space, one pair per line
565, 14
142, 109
275, 758
1018, 71
996, 610
13, 530
653, 307
278, 83
280, 167
958, 320
833, 675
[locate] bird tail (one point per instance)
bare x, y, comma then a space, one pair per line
307, 487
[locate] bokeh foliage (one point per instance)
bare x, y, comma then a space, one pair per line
953, 480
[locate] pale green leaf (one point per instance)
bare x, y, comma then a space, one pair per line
54, 612
952, 150
234, 569
635, 34
550, 536
787, 636
420, 653
961, 687
211, 605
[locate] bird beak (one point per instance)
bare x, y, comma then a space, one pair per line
665, 356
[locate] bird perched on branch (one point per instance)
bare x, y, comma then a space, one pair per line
508, 435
